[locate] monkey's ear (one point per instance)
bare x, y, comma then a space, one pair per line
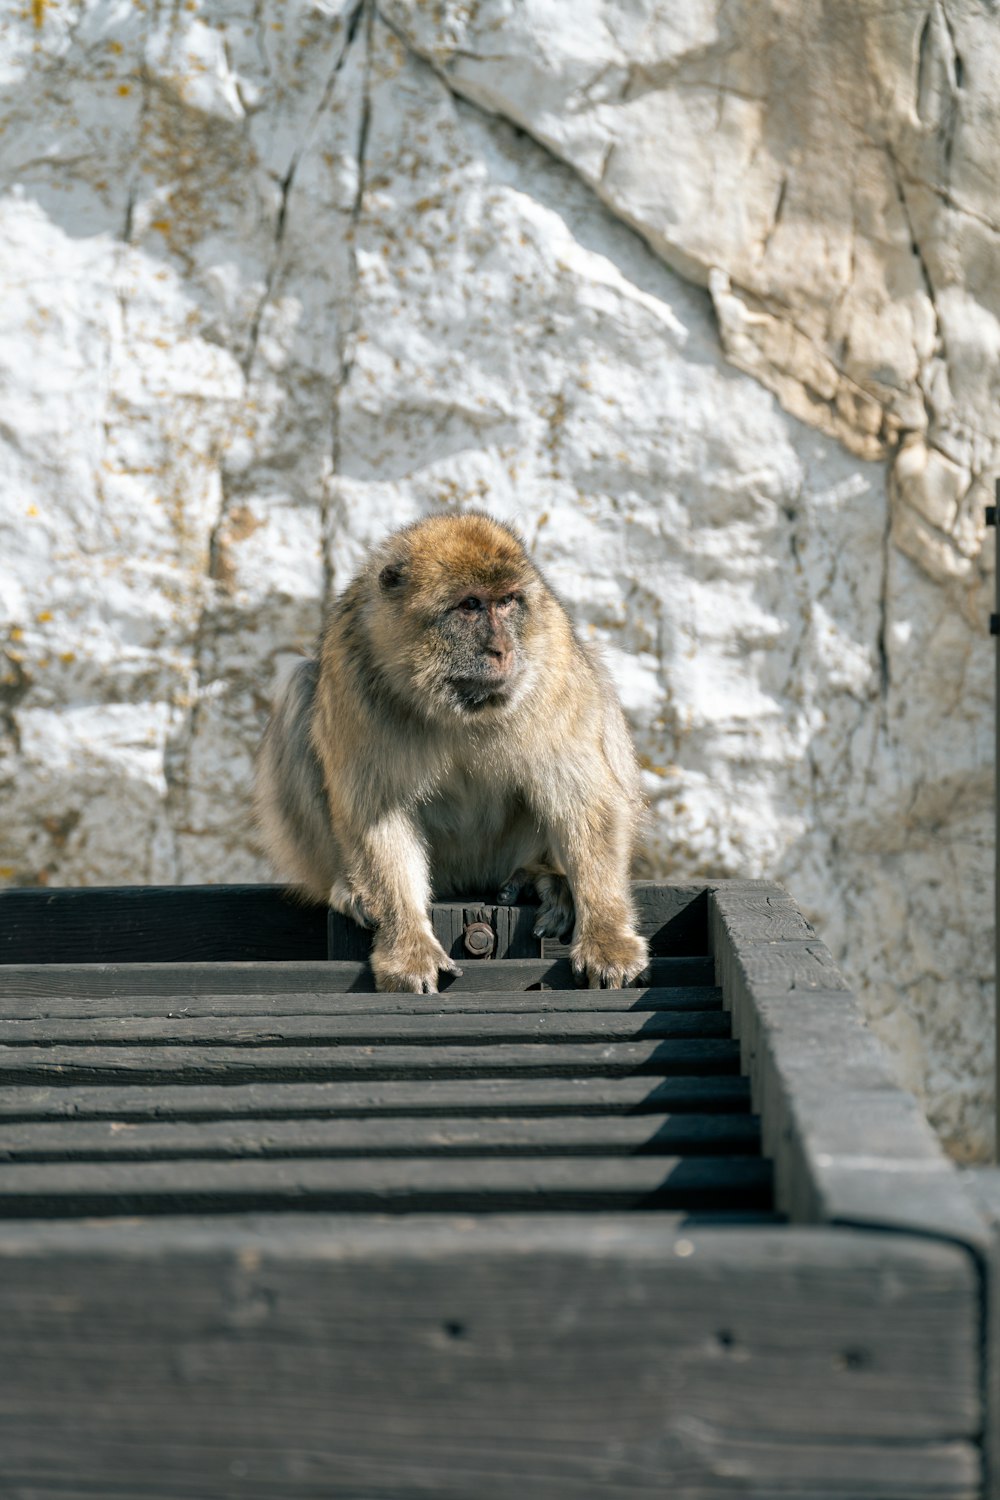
391, 577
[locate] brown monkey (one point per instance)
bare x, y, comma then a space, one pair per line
454, 737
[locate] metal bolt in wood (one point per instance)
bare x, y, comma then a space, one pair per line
480, 939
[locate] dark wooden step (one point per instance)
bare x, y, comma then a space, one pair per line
159, 923
183, 924
122, 980
578, 1135
316, 1030
487, 1184
19, 1004
537, 1097
161, 1059
82, 1064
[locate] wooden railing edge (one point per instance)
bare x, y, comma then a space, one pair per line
850, 1145
851, 1148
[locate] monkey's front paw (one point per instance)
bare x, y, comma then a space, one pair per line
611, 960
411, 964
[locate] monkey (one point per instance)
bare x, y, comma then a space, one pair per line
453, 736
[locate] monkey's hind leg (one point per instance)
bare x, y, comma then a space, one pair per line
350, 904
556, 912
292, 813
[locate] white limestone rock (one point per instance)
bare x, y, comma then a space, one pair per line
277, 288
829, 174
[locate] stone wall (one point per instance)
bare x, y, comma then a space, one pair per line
705, 298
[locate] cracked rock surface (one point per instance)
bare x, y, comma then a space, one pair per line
703, 298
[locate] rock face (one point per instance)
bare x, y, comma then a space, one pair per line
705, 298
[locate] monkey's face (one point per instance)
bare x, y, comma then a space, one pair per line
453, 617
481, 659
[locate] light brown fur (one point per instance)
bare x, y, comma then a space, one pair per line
454, 739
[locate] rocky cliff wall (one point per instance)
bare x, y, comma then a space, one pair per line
704, 297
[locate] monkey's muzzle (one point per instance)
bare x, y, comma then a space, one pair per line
476, 693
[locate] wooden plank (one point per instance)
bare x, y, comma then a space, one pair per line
262, 1030
480, 1184
304, 1002
982, 1187
659, 1134
513, 929
82, 1064
809, 1377
178, 923
673, 918
158, 924
345, 940
107, 980
538, 1097
849, 1146
805, 1470
500, 1358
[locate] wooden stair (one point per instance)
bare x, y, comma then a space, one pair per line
268, 1235
167, 1081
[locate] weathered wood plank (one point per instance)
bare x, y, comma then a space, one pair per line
82, 1064
262, 1030
107, 980
538, 1097
559, 1470
849, 1145
345, 940
180, 923
512, 926
481, 1184
513, 929
134, 1105
304, 1002
684, 1134
982, 1187
158, 924
490, 1359
673, 918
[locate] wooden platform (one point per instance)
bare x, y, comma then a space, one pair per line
266, 1233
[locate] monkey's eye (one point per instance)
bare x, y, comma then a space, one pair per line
471, 606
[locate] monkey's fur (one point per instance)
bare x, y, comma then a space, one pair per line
455, 738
